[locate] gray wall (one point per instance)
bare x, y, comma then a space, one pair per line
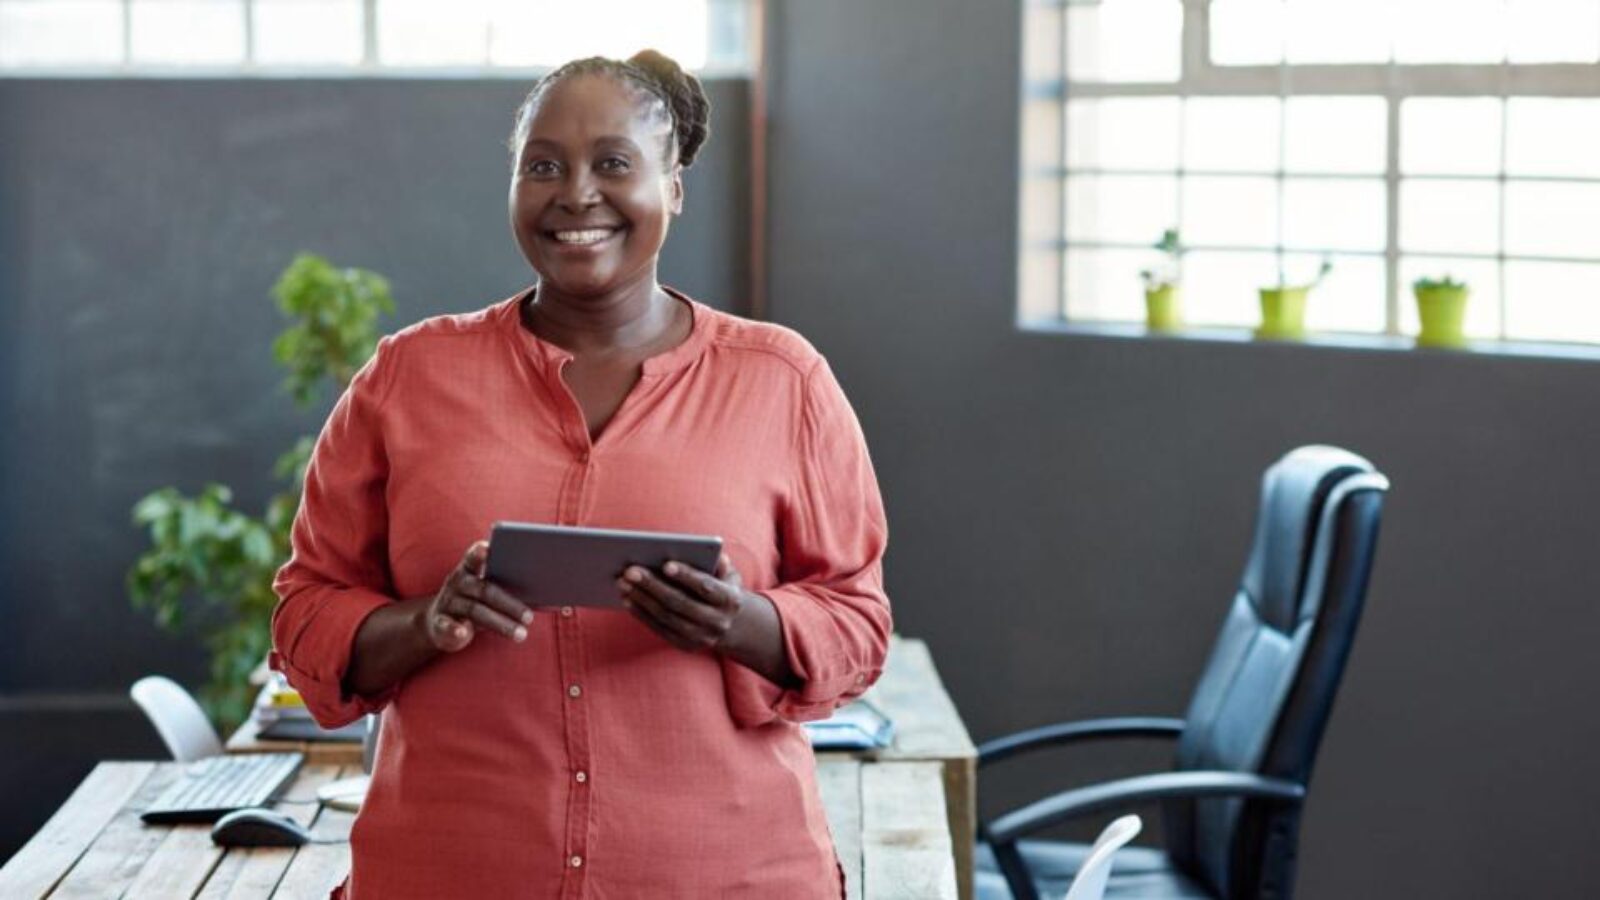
1069, 514
141, 227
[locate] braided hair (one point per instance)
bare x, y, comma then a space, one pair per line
672, 93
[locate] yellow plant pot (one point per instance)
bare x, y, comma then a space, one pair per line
1163, 309
1283, 313
1442, 311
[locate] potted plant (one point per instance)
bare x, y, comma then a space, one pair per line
1442, 308
1283, 307
203, 548
1163, 310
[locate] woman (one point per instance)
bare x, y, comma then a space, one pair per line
580, 752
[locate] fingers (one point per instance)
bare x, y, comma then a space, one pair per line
726, 571
693, 619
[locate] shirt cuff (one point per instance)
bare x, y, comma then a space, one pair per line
827, 681
320, 657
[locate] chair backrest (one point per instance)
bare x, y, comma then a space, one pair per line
1264, 698
1090, 882
179, 720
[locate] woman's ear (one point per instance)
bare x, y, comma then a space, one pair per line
675, 202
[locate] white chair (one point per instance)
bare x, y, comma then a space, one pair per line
1090, 882
179, 720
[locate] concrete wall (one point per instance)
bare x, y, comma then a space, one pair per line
1069, 514
142, 224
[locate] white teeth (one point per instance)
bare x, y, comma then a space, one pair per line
589, 236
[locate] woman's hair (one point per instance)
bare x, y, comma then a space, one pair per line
679, 94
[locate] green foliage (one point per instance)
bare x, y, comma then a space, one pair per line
1431, 284
1322, 272
209, 568
1168, 272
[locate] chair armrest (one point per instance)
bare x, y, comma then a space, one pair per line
1070, 732
1124, 792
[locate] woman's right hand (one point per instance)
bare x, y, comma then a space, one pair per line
468, 601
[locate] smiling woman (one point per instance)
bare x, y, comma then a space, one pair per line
577, 751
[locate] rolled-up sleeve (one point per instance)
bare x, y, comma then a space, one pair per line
830, 599
337, 573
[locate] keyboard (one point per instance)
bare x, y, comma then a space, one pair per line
213, 787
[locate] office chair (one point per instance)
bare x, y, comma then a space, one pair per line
1090, 882
179, 720
1231, 805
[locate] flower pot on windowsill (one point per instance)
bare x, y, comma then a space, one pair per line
1163, 308
1283, 313
1442, 308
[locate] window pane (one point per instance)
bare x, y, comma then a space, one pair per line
1041, 133
1125, 40
1104, 285
1552, 219
187, 31
1041, 210
551, 32
1449, 31
1334, 214
65, 32
1041, 43
1230, 211
1550, 31
1123, 133
1553, 301
308, 31
1229, 284
420, 33
1120, 208
1231, 134
1350, 298
1450, 216
1335, 134
1450, 137
1247, 32
1482, 278
1338, 31
1550, 136
1040, 277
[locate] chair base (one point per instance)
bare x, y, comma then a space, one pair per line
1138, 872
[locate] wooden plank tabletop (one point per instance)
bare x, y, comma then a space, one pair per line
887, 818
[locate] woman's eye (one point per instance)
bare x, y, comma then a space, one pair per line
539, 167
613, 164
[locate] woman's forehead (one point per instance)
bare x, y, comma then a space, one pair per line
593, 105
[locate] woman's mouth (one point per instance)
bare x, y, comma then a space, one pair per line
582, 237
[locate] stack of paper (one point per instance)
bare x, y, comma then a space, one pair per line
858, 726
280, 714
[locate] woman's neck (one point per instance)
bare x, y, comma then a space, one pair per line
628, 318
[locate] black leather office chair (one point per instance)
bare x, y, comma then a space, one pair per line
1231, 805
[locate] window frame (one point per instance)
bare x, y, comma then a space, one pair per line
1392, 82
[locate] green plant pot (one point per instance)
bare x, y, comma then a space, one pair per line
1442, 310
1283, 313
1163, 308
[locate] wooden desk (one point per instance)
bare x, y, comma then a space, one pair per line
927, 729
887, 818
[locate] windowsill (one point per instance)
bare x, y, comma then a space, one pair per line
1324, 340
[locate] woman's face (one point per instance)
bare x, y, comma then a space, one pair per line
591, 193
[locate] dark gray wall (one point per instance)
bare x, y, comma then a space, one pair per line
1069, 514
142, 223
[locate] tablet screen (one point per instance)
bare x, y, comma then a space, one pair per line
552, 565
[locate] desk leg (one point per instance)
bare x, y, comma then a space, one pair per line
961, 799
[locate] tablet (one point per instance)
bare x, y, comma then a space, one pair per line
552, 565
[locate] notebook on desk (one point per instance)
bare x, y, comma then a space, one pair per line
860, 725
281, 715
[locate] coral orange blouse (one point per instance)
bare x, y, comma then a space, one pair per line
594, 759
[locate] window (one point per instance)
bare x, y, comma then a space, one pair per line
39, 37
1396, 138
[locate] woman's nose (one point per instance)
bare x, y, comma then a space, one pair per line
578, 192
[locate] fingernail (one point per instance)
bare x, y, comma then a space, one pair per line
635, 576
527, 616
521, 633
461, 631
671, 568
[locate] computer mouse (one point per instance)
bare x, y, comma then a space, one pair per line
258, 827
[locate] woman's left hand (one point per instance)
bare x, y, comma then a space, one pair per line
690, 609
